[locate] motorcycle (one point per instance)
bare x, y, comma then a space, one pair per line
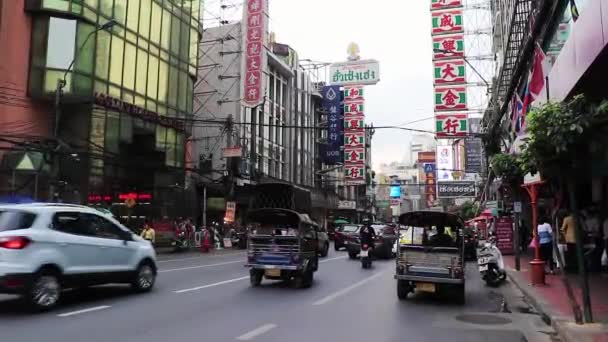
366, 259
491, 264
180, 242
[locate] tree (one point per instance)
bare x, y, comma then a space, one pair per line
564, 138
508, 168
468, 210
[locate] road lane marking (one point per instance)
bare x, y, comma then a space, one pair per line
78, 312
201, 266
211, 285
331, 259
345, 290
200, 257
256, 332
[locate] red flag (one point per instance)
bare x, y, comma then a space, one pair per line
538, 74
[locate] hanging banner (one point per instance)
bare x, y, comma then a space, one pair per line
447, 21
452, 46
450, 98
445, 162
451, 125
443, 4
332, 104
449, 72
254, 63
354, 139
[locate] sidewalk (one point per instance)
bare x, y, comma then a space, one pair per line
552, 301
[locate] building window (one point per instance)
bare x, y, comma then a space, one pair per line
61, 43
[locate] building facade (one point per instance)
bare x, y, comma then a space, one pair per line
125, 109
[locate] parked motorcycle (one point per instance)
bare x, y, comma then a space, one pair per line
364, 255
491, 264
180, 242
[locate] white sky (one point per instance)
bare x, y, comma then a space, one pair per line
395, 32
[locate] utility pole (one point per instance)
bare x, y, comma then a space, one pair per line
230, 160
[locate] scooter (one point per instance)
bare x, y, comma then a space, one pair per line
491, 264
366, 259
180, 242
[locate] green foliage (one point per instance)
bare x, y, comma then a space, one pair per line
507, 167
468, 210
563, 136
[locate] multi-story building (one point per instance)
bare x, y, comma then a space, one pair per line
278, 140
420, 143
122, 117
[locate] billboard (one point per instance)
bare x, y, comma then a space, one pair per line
456, 189
473, 148
445, 163
332, 105
355, 72
255, 26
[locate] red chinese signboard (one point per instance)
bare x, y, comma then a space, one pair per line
449, 21
449, 72
441, 4
504, 235
451, 125
254, 31
354, 139
450, 98
448, 46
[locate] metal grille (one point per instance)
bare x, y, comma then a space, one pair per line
274, 246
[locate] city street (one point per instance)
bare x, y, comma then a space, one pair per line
208, 298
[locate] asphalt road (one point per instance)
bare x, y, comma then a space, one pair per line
208, 298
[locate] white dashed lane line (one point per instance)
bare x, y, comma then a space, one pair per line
83, 311
256, 332
201, 266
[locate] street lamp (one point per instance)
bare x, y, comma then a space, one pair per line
61, 83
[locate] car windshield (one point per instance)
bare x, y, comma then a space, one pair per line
274, 229
350, 228
428, 236
15, 219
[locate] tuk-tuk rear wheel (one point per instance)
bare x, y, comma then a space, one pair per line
403, 289
255, 277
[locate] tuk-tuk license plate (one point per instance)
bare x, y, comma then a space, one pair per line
273, 272
425, 287
364, 253
483, 268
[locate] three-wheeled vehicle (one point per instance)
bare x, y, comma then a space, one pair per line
282, 245
431, 255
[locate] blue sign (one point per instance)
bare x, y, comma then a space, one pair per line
429, 168
332, 104
395, 191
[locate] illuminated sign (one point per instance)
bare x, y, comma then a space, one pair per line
135, 196
395, 191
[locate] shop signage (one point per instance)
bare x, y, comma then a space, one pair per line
230, 212
453, 43
426, 157
504, 235
449, 72
353, 93
232, 152
119, 105
99, 198
445, 162
355, 72
382, 204
354, 123
473, 155
448, 21
441, 4
451, 125
140, 196
347, 205
450, 98
354, 139
354, 174
353, 109
354, 155
254, 59
456, 189
135, 196
216, 203
332, 104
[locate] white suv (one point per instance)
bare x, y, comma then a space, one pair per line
45, 248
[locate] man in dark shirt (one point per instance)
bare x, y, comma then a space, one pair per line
441, 239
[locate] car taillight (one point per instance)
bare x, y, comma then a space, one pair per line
364, 246
14, 242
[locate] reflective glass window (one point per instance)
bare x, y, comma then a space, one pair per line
156, 23
142, 71
130, 66
133, 14
61, 43
118, 49
86, 55
144, 18
153, 77
103, 55
166, 30
163, 79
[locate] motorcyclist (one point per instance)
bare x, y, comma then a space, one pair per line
367, 235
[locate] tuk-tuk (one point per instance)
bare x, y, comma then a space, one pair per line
282, 245
431, 254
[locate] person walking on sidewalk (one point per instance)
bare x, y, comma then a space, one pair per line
545, 239
148, 233
568, 228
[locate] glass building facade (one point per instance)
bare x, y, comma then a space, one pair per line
147, 59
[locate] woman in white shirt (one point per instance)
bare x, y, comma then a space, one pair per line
545, 239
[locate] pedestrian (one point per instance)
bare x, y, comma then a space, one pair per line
148, 233
593, 229
545, 239
568, 230
605, 236
523, 236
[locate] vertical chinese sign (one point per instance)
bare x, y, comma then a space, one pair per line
254, 52
354, 135
449, 68
429, 174
333, 106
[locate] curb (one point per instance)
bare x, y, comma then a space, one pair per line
557, 324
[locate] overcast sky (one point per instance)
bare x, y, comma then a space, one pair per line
396, 33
